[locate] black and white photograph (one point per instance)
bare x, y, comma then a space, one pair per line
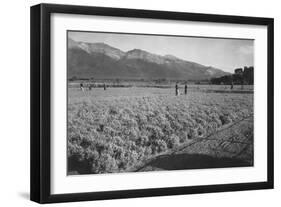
131, 103
147, 102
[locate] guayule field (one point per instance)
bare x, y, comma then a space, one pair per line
148, 128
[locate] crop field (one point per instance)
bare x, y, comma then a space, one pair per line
119, 129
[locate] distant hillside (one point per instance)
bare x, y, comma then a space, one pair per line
99, 60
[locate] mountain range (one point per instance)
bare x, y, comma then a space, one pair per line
102, 61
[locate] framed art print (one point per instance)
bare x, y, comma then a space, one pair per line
132, 103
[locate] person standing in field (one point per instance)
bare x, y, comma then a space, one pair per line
81, 87
185, 89
177, 89
231, 85
104, 86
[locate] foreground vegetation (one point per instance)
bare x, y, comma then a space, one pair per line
112, 130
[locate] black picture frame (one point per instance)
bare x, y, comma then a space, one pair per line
41, 98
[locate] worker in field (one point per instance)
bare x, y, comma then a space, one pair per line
177, 89
104, 86
81, 87
231, 87
185, 89
90, 87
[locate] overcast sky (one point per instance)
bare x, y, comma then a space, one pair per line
225, 54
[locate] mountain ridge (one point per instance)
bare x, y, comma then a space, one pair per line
100, 60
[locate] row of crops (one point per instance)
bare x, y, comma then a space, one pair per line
111, 132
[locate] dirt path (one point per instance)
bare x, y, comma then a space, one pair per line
232, 146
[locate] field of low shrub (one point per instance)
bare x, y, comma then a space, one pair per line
112, 130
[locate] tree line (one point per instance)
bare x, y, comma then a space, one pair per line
240, 77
